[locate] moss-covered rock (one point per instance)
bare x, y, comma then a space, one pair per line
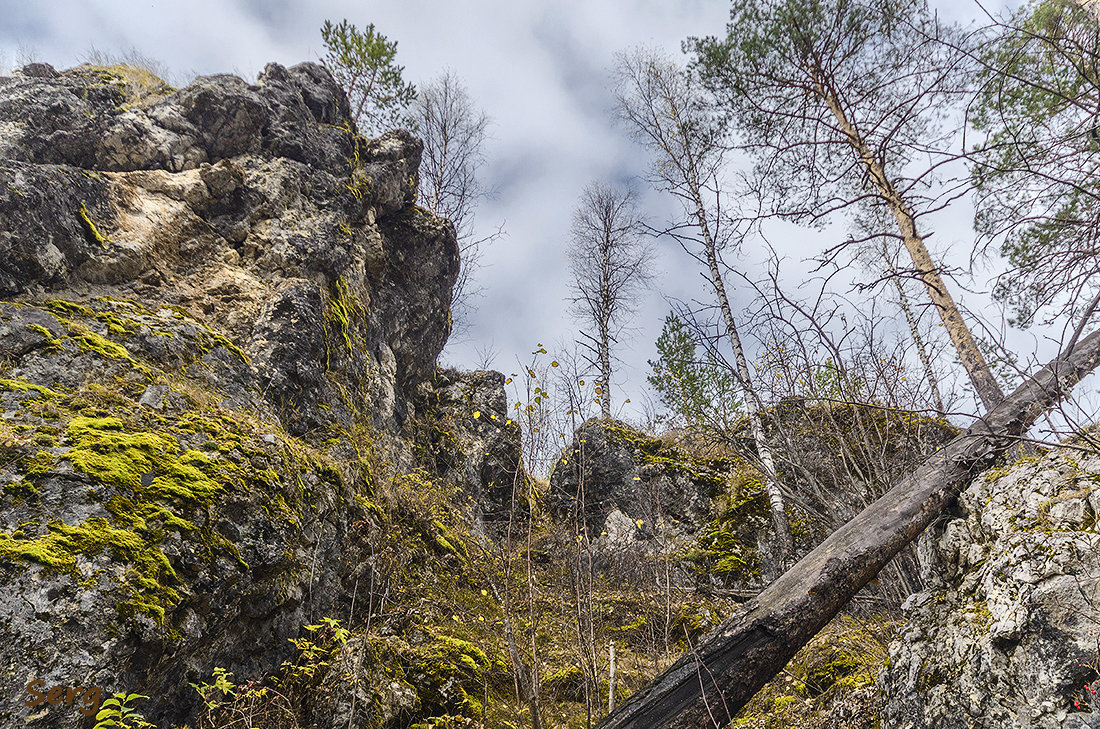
640, 498
208, 348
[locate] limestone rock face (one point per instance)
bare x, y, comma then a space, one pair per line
220, 307
469, 439
254, 206
1005, 634
639, 497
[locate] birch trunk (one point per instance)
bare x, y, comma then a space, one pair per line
744, 378
918, 340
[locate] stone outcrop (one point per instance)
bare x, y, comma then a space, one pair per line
640, 497
1005, 633
222, 308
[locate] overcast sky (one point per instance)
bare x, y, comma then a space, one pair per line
541, 72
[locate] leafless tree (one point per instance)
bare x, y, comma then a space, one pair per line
454, 131
670, 115
708, 685
611, 263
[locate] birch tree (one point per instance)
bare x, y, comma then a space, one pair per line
610, 263
453, 130
671, 116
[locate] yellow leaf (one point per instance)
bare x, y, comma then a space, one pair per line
640, 522
554, 363
477, 414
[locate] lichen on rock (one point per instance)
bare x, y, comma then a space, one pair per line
220, 307
1004, 633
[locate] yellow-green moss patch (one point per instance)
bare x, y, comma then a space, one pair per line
18, 385
145, 462
90, 228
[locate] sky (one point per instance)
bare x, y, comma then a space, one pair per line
540, 71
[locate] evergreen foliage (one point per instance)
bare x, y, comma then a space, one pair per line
1036, 172
362, 62
700, 392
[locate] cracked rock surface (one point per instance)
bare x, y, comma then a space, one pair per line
1006, 633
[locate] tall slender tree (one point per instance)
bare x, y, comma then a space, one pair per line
453, 130
611, 263
838, 100
669, 114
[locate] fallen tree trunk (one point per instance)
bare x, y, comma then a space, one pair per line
707, 686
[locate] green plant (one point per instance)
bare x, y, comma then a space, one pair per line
222, 682
117, 712
362, 62
700, 391
331, 640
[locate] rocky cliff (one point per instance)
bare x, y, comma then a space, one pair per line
233, 479
222, 309
1005, 633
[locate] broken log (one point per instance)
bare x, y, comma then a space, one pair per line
708, 685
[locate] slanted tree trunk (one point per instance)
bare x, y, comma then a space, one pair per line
707, 686
971, 357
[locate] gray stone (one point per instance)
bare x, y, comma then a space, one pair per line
1004, 635
211, 257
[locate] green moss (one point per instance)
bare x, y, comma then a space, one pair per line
722, 550
822, 677
144, 462
220, 340
58, 548
90, 228
21, 490
68, 308
707, 472
17, 385
145, 475
39, 465
342, 310
89, 341
447, 670
53, 344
